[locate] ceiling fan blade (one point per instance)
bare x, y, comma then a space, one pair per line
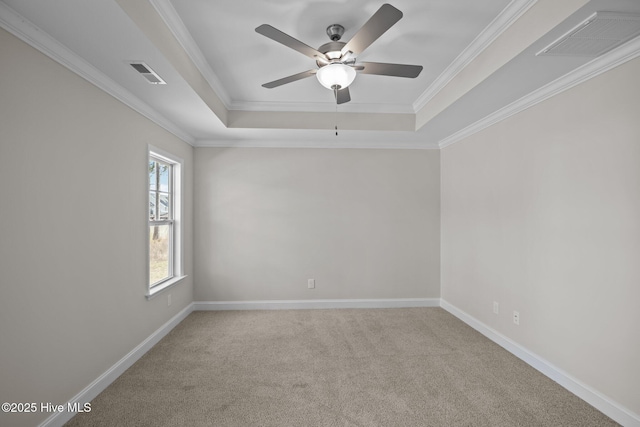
343, 96
287, 40
289, 79
395, 70
376, 26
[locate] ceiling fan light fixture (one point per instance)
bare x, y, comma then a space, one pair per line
336, 60
336, 75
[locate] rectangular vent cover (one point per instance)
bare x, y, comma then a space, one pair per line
146, 72
600, 33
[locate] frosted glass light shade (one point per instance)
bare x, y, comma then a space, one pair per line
336, 74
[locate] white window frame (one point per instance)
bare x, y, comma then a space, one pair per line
176, 267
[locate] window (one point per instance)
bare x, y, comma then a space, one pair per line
164, 225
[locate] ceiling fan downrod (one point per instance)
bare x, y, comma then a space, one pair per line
335, 92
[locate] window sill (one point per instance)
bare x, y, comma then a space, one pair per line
164, 286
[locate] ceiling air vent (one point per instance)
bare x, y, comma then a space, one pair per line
600, 33
146, 72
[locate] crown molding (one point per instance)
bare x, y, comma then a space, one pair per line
602, 64
340, 142
508, 16
26, 31
20, 27
175, 24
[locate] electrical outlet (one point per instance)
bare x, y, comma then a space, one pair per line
311, 283
168, 300
516, 317
496, 307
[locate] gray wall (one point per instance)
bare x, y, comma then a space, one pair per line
72, 230
541, 213
362, 223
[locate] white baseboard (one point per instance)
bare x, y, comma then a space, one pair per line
103, 381
604, 404
316, 303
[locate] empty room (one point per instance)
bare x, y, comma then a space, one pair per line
319, 213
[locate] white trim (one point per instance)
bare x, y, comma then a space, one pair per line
20, 27
602, 64
340, 142
315, 304
104, 380
177, 240
508, 16
165, 155
604, 404
164, 286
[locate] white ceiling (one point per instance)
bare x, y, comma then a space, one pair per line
214, 63
427, 35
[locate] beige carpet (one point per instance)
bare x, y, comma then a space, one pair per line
361, 367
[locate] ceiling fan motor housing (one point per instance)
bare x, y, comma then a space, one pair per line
332, 50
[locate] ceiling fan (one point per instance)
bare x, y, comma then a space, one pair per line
336, 60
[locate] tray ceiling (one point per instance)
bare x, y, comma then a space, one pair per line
478, 57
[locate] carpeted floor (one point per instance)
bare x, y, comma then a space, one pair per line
360, 367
